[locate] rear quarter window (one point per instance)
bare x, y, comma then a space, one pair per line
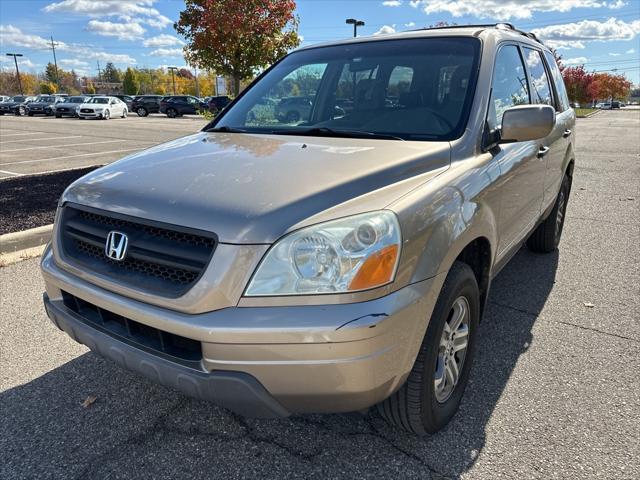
561, 90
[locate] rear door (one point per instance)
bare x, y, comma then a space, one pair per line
522, 171
565, 122
553, 147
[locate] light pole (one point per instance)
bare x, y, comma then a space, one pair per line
173, 77
15, 59
356, 24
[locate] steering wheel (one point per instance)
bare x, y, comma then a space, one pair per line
440, 117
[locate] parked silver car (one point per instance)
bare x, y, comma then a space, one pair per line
335, 263
70, 106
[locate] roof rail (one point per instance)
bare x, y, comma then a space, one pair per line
500, 25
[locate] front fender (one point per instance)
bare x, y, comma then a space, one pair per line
445, 216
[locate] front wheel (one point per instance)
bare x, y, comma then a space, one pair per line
546, 237
172, 113
124, 113
142, 112
433, 391
106, 115
22, 111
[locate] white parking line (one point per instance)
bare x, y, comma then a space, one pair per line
73, 156
11, 173
42, 139
61, 146
25, 133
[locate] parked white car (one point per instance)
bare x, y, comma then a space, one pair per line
103, 107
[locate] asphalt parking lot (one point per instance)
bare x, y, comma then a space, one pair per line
30, 145
554, 388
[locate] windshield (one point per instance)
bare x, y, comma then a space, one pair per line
416, 89
75, 100
18, 99
46, 99
98, 100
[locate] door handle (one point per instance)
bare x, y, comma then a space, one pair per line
543, 151
566, 133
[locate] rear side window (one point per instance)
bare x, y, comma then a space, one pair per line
561, 90
540, 86
509, 86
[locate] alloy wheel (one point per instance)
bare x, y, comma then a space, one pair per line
452, 349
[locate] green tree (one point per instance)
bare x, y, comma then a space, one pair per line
90, 88
237, 37
130, 83
111, 73
50, 73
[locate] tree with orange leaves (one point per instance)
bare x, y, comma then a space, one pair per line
237, 37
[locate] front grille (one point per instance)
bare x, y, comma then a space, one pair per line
62, 109
179, 349
86, 110
162, 259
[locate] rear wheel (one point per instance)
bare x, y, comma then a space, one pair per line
124, 113
433, 391
172, 113
58, 115
546, 237
292, 116
142, 112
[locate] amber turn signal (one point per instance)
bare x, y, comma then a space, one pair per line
376, 270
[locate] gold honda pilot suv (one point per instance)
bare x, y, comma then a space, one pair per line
328, 254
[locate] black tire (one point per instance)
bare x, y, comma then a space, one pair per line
30, 114
21, 111
58, 115
106, 115
414, 407
546, 237
172, 113
142, 112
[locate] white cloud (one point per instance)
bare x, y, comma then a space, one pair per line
410, 24
617, 4
123, 31
124, 9
13, 36
615, 54
10, 35
385, 30
392, 3
162, 40
505, 9
167, 52
631, 51
575, 61
22, 63
73, 63
574, 35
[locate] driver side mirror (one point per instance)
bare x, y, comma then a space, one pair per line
527, 122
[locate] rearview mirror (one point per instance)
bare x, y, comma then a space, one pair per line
527, 122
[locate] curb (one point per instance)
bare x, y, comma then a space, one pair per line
34, 237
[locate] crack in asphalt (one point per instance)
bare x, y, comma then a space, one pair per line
159, 427
591, 329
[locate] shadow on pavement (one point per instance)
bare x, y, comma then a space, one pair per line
136, 429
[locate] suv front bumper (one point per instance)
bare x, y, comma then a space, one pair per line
265, 361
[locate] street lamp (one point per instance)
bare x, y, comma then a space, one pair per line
15, 55
356, 24
173, 77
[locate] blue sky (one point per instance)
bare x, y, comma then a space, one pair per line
602, 34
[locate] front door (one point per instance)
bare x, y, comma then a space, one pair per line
522, 167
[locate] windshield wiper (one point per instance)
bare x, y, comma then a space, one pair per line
330, 132
225, 129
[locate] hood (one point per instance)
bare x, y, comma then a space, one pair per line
250, 188
41, 104
90, 105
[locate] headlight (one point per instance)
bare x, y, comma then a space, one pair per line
99, 109
346, 255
